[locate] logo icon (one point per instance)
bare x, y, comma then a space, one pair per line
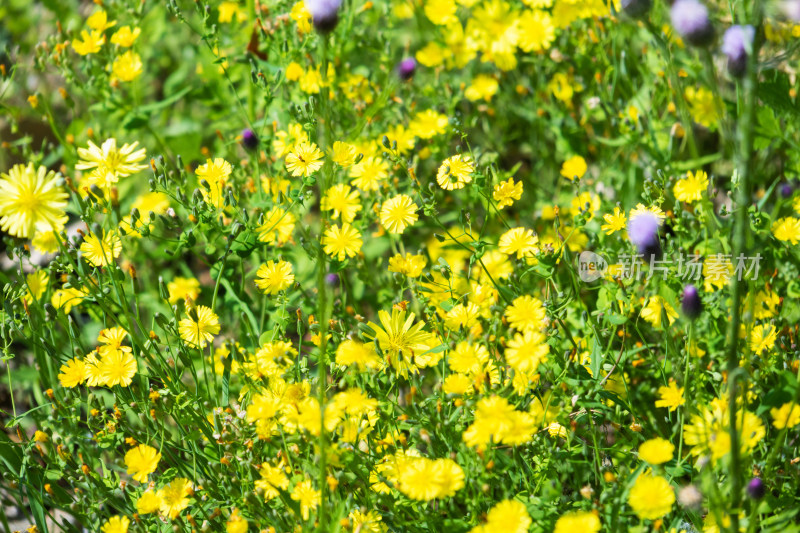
591, 266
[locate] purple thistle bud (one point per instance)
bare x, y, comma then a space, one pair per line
691, 304
324, 14
735, 43
636, 8
406, 68
787, 189
643, 233
332, 279
756, 488
690, 20
249, 139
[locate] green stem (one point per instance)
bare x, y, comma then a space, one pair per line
745, 168
322, 290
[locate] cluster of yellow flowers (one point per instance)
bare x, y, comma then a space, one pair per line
111, 363
127, 66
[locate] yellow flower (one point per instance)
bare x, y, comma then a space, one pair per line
506, 192
652, 311
109, 163
574, 168
142, 461
537, 31
425, 479
285, 141
277, 227
117, 368
116, 524
651, 497
787, 229
343, 154
125, 37
293, 73
183, 289
273, 278
90, 43
702, 106
67, 298
228, 10
614, 221
148, 502
99, 21
236, 524
102, 252
301, 16
455, 172
577, 521
457, 384
311, 82
526, 351
127, 67
175, 497
272, 479
401, 340
408, 265
428, 124
398, 213
353, 352
483, 87
215, 172
520, 241
441, 12
671, 396
691, 188
526, 313
369, 173
343, 201
508, 516
200, 327
37, 284
31, 200
786, 416
656, 451
763, 337
342, 242
304, 159
73, 373
308, 497
431, 55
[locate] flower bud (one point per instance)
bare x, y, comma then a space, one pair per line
690, 20
643, 233
756, 488
324, 14
735, 44
249, 139
332, 279
406, 68
691, 304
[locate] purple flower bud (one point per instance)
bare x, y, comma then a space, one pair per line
691, 304
406, 68
756, 488
332, 279
324, 14
249, 139
690, 20
643, 233
787, 189
735, 43
636, 8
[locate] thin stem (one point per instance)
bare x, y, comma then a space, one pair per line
744, 166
